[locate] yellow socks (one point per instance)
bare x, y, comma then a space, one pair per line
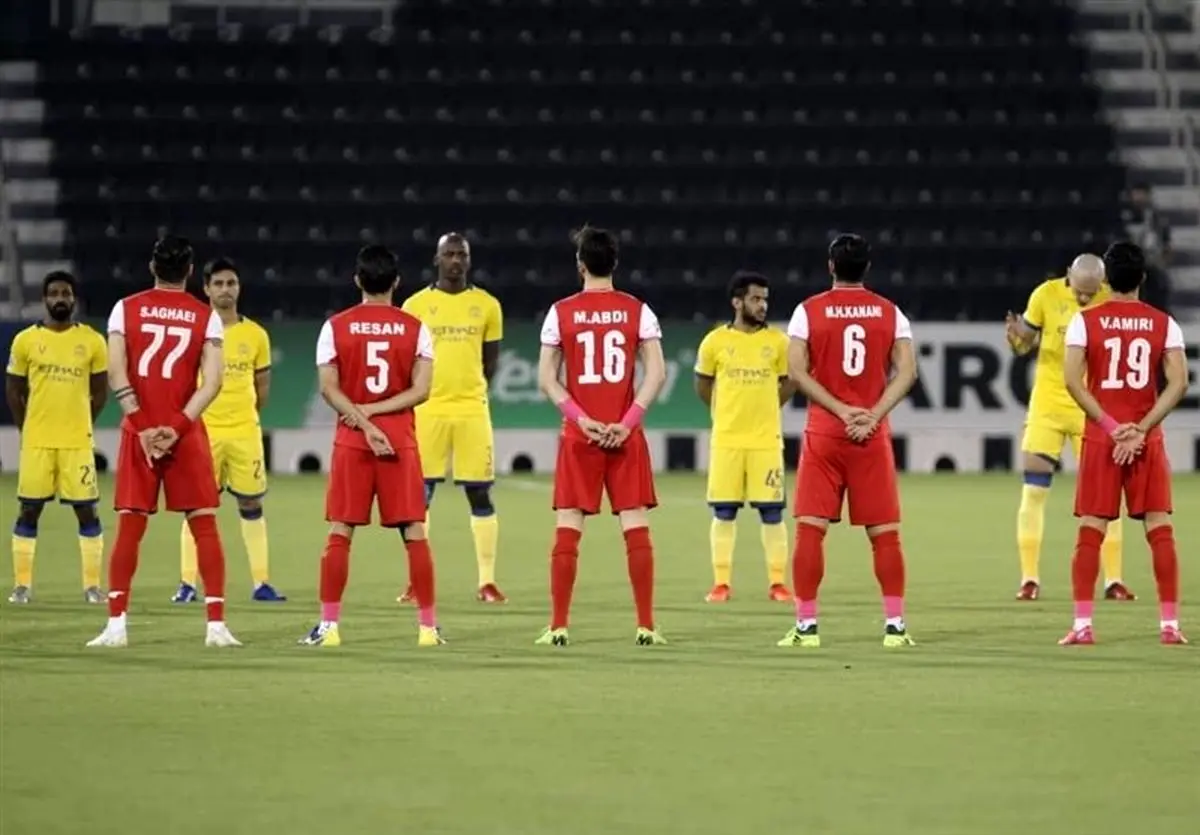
91, 554
1031, 520
254, 535
485, 530
775, 546
187, 556
722, 537
1110, 553
23, 549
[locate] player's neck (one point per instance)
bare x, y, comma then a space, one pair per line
449, 285
747, 327
847, 285
385, 299
1124, 297
592, 283
57, 326
162, 285
228, 317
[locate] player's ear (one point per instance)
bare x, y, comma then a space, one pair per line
357, 283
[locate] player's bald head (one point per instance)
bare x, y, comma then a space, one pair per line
453, 240
453, 258
1085, 275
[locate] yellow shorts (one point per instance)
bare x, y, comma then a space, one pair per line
465, 442
239, 464
738, 476
1046, 433
69, 474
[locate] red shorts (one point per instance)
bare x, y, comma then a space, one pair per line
835, 468
584, 472
1146, 482
185, 475
358, 478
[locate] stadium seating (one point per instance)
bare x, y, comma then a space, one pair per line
961, 137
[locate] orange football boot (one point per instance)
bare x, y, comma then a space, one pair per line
489, 593
1118, 591
1029, 590
778, 593
720, 594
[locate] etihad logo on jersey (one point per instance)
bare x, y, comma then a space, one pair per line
238, 366
455, 332
1138, 324
168, 314
854, 311
601, 317
377, 328
737, 374
56, 372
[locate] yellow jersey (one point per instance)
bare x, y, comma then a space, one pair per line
460, 323
746, 369
58, 366
247, 352
1050, 308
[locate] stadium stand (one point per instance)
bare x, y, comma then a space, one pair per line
964, 138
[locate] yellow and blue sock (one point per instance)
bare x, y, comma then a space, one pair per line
24, 547
1110, 552
91, 552
485, 530
254, 536
722, 538
775, 543
1031, 520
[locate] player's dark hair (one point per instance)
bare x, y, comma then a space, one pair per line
1124, 266
377, 269
219, 265
59, 275
171, 259
597, 250
743, 280
851, 257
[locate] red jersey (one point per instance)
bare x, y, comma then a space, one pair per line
599, 332
850, 332
1124, 343
165, 332
374, 348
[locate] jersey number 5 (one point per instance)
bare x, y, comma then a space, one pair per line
158, 336
1137, 363
854, 350
377, 382
612, 360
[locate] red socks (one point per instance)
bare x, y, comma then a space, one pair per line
210, 561
335, 568
639, 556
1085, 567
123, 560
808, 561
420, 573
564, 564
1166, 563
889, 563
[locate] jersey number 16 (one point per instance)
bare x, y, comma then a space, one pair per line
612, 359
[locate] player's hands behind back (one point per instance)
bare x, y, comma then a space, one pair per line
860, 423
378, 441
157, 442
1128, 441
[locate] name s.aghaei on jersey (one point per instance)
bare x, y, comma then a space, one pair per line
601, 317
377, 328
169, 314
1127, 323
856, 311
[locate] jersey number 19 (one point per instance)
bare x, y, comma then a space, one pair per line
1137, 364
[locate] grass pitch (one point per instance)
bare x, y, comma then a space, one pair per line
986, 728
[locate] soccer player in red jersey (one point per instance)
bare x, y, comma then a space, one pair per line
851, 355
594, 338
159, 341
375, 364
1114, 353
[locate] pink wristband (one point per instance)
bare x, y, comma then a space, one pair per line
1108, 425
570, 410
633, 417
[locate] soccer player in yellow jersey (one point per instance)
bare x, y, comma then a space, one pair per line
234, 433
56, 385
741, 374
454, 426
1054, 418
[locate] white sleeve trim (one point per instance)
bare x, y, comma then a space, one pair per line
216, 328
424, 343
648, 325
326, 350
798, 326
1076, 332
551, 335
1174, 335
903, 326
116, 319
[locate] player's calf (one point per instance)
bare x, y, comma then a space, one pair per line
639, 558
91, 550
485, 531
254, 537
888, 559
775, 550
1160, 535
24, 549
722, 539
421, 573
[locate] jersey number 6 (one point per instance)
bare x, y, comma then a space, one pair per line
612, 365
854, 350
377, 382
158, 335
